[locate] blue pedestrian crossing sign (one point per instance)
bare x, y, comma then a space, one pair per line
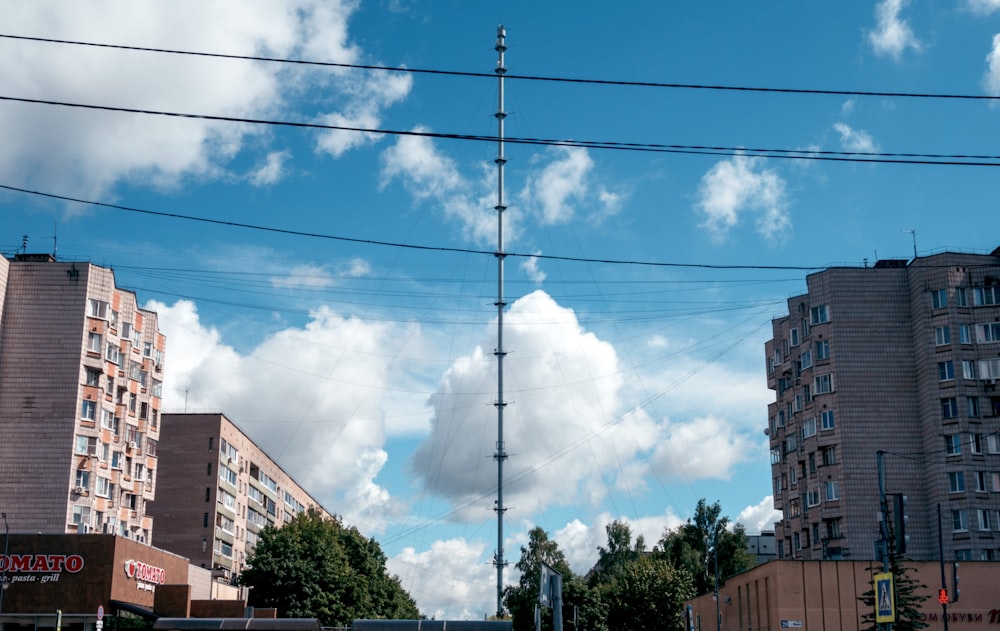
885, 601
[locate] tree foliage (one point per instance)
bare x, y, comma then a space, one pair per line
910, 593
314, 567
704, 540
647, 594
520, 599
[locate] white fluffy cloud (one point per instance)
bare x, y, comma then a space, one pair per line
855, 140
451, 577
86, 152
991, 80
892, 34
558, 185
983, 7
759, 517
741, 185
316, 392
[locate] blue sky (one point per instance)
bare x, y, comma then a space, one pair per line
367, 369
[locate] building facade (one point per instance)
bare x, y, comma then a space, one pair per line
901, 358
217, 491
80, 380
826, 595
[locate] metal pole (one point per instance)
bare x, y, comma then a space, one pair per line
501, 453
557, 617
883, 522
6, 559
718, 606
944, 584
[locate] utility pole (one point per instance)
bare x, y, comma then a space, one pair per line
500, 455
883, 543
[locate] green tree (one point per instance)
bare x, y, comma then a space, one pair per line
647, 594
520, 599
910, 593
619, 552
704, 540
315, 567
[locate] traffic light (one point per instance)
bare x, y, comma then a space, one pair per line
954, 582
899, 522
943, 596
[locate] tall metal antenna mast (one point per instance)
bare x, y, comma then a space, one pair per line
501, 453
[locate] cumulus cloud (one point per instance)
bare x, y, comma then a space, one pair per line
892, 34
428, 174
705, 447
316, 391
272, 171
855, 140
87, 152
451, 576
983, 7
759, 517
566, 386
369, 97
741, 185
558, 185
529, 265
991, 80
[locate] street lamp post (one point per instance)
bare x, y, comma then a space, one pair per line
6, 561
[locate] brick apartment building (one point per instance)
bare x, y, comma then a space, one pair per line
217, 490
80, 378
904, 358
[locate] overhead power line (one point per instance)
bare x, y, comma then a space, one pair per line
490, 75
788, 154
317, 235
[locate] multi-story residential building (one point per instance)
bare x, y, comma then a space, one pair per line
80, 380
901, 358
217, 491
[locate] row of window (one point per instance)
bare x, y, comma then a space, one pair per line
981, 297
950, 407
986, 369
985, 481
987, 520
986, 333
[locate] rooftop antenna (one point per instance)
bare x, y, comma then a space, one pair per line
55, 239
913, 233
24, 244
501, 454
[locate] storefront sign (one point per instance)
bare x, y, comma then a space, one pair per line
38, 568
146, 574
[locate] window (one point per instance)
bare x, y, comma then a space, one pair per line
107, 419
832, 490
812, 497
797, 403
97, 309
942, 335
964, 334
116, 460
82, 479
946, 371
227, 474
981, 482
956, 482
793, 476
959, 522
777, 486
833, 528
147, 349
94, 342
988, 554
961, 297
976, 443
791, 444
88, 410
993, 443
796, 541
939, 298
829, 456
953, 444
775, 455
968, 369
949, 407
226, 498
86, 445
823, 384
984, 519
226, 523
989, 369
812, 462
140, 472
113, 355
809, 427
988, 333
806, 359
822, 350
793, 336
103, 487
826, 420
986, 296
964, 554
81, 516
819, 315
